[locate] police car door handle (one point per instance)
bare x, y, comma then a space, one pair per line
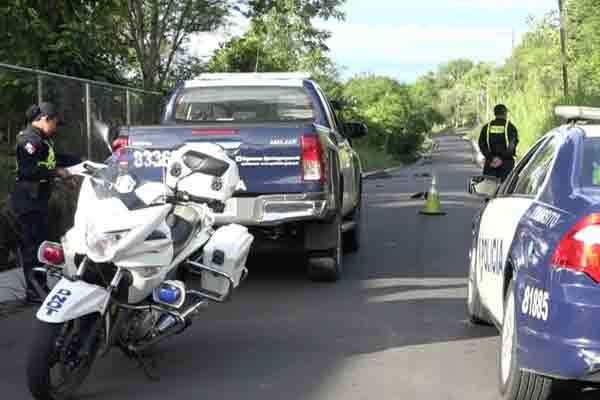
532, 250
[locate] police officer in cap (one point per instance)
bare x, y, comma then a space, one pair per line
498, 143
37, 166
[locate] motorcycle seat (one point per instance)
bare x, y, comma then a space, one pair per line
183, 223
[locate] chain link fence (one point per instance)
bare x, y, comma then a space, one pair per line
78, 100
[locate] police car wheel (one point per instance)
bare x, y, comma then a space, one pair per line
475, 309
514, 383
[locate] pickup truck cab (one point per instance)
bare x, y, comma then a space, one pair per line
302, 184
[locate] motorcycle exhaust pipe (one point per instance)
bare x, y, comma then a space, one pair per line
169, 328
171, 323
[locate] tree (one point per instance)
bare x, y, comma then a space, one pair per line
454, 71
156, 30
584, 44
70, 37
281, 37
398, 122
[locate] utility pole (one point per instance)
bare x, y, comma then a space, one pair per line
514, 56
563, 47
257, 58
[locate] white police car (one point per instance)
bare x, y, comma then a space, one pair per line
535, 261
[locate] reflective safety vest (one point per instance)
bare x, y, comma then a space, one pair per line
50, 162
497, 130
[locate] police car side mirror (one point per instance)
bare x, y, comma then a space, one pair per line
483, 186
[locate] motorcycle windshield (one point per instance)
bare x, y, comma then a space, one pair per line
128, 177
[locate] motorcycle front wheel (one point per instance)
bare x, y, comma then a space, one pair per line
61, 357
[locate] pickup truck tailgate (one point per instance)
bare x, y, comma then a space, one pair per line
269, 156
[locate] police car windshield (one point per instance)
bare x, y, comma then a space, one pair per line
127, 170
590, 171
243, 104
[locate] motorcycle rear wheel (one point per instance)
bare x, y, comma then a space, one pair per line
55, 369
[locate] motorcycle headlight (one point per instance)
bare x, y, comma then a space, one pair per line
102, 246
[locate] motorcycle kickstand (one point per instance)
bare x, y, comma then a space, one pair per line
147, 364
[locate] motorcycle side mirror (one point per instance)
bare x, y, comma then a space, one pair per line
103, 130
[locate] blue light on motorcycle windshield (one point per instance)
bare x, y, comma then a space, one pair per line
169, 294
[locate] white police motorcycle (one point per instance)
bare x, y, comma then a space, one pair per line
140, 261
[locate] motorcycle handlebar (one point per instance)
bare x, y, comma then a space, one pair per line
215, 205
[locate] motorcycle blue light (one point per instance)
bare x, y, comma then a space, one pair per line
169, 294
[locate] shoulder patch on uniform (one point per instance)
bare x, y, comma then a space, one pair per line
30, 148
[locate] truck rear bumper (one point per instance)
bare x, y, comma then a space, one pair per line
268, 210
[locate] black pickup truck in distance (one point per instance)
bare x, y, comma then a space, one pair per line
302, 180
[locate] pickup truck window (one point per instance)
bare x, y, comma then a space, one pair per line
243, 104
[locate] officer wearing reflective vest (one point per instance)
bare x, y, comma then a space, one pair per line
498, 142
37, 166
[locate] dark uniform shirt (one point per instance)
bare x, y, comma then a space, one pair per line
499, 138
36, 167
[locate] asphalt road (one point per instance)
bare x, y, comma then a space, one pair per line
393, 328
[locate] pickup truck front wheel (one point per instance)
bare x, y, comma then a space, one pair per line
328, 267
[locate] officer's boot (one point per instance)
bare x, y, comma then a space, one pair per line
36, 288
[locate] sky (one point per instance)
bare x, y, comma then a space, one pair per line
404, 39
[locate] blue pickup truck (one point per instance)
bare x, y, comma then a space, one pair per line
302, 183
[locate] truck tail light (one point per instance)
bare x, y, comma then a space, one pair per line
313, 166
579, 250
120, 142
51, 253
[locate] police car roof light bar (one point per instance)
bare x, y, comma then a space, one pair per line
576, 113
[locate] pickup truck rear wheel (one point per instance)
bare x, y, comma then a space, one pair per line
329, 267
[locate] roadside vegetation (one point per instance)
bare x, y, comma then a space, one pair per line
106, 43
530, 83
7, 169
113, 42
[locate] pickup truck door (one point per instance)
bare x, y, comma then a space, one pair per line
346, 158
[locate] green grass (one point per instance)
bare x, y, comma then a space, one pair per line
439, 129
373, 158
532, 112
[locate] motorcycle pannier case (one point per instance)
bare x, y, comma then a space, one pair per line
226, 251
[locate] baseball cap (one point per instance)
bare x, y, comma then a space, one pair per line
500, 109
49, 109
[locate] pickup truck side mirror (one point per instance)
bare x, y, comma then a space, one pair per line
355, 129
484, 186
